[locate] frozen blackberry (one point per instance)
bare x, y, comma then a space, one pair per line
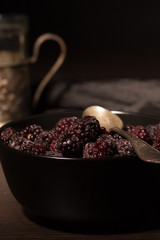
69, 144
154, 133
16, 143
45, 137
94, 150
156, 144
53, 154
77, 137
31, 131
116, 136
103, 131
107, 138
140, 132
72, 141
103, 147
152, 129
63, 124
156, 140
88, 128
124, 147
23, 144
7, 134
53, 145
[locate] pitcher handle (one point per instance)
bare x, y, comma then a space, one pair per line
63, 49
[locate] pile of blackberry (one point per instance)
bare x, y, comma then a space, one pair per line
77, 137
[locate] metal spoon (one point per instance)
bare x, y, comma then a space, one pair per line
112, 122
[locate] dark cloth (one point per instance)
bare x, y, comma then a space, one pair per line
132, 95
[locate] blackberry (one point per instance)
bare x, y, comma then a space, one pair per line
53, 145
116, 136
72, 141
46, 137
7, 134
103, 147
107, 138
152, 129
140, 132
31, 131
103, 131
156, 144
16, 143
23, 144
70, 145
124, 147
53, 154
154, 133
88, 128
63, 124
156, 140
77, 137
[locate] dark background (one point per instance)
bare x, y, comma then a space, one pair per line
104, 38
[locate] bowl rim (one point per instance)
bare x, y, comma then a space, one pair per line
30, 117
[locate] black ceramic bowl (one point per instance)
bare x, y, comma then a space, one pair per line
81, 190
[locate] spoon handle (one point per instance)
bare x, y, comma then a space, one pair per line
144, 151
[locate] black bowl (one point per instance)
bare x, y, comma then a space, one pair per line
81, 190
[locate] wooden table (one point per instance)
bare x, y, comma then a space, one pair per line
15, 224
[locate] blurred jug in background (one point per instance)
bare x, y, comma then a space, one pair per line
14, 76
15, 97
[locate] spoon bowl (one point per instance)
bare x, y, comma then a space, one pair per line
105, 117
112, 122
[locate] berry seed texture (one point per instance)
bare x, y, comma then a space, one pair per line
74, 137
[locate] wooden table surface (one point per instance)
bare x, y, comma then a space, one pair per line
15, 224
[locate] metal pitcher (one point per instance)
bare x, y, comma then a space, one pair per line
15, 91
